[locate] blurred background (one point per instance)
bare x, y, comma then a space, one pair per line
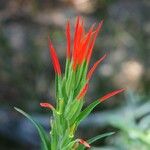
27, 75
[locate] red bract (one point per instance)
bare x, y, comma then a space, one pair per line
68, 36
46, 105
93, 41
83, 91
54, 57
109, 95
94, 67
84, 143
83, 42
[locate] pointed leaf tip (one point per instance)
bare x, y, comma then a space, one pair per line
83, 91
68, 37
91, 71
84, 143
93, 41
47, 105
54, 57
98, 137
109, 95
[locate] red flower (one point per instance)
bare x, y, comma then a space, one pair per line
109, 95
83, 43
54, 57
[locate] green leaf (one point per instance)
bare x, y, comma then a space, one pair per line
67, 68
70, 145
87, 111
40, 129
92, 140
71, 111
80, 74
56, 90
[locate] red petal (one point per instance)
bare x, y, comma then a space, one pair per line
84, 143
68, 36
54, 57
94, 66
83, 91
46, 105
109, 95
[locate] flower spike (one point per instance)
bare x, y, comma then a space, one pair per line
94, 66
71, 88
54, 57
47, 105
109, 95
87, 145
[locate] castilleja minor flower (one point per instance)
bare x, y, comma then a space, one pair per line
71, 88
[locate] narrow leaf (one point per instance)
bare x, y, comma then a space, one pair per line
38, 127
70, 145
92, 140
87, 111
109, 95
